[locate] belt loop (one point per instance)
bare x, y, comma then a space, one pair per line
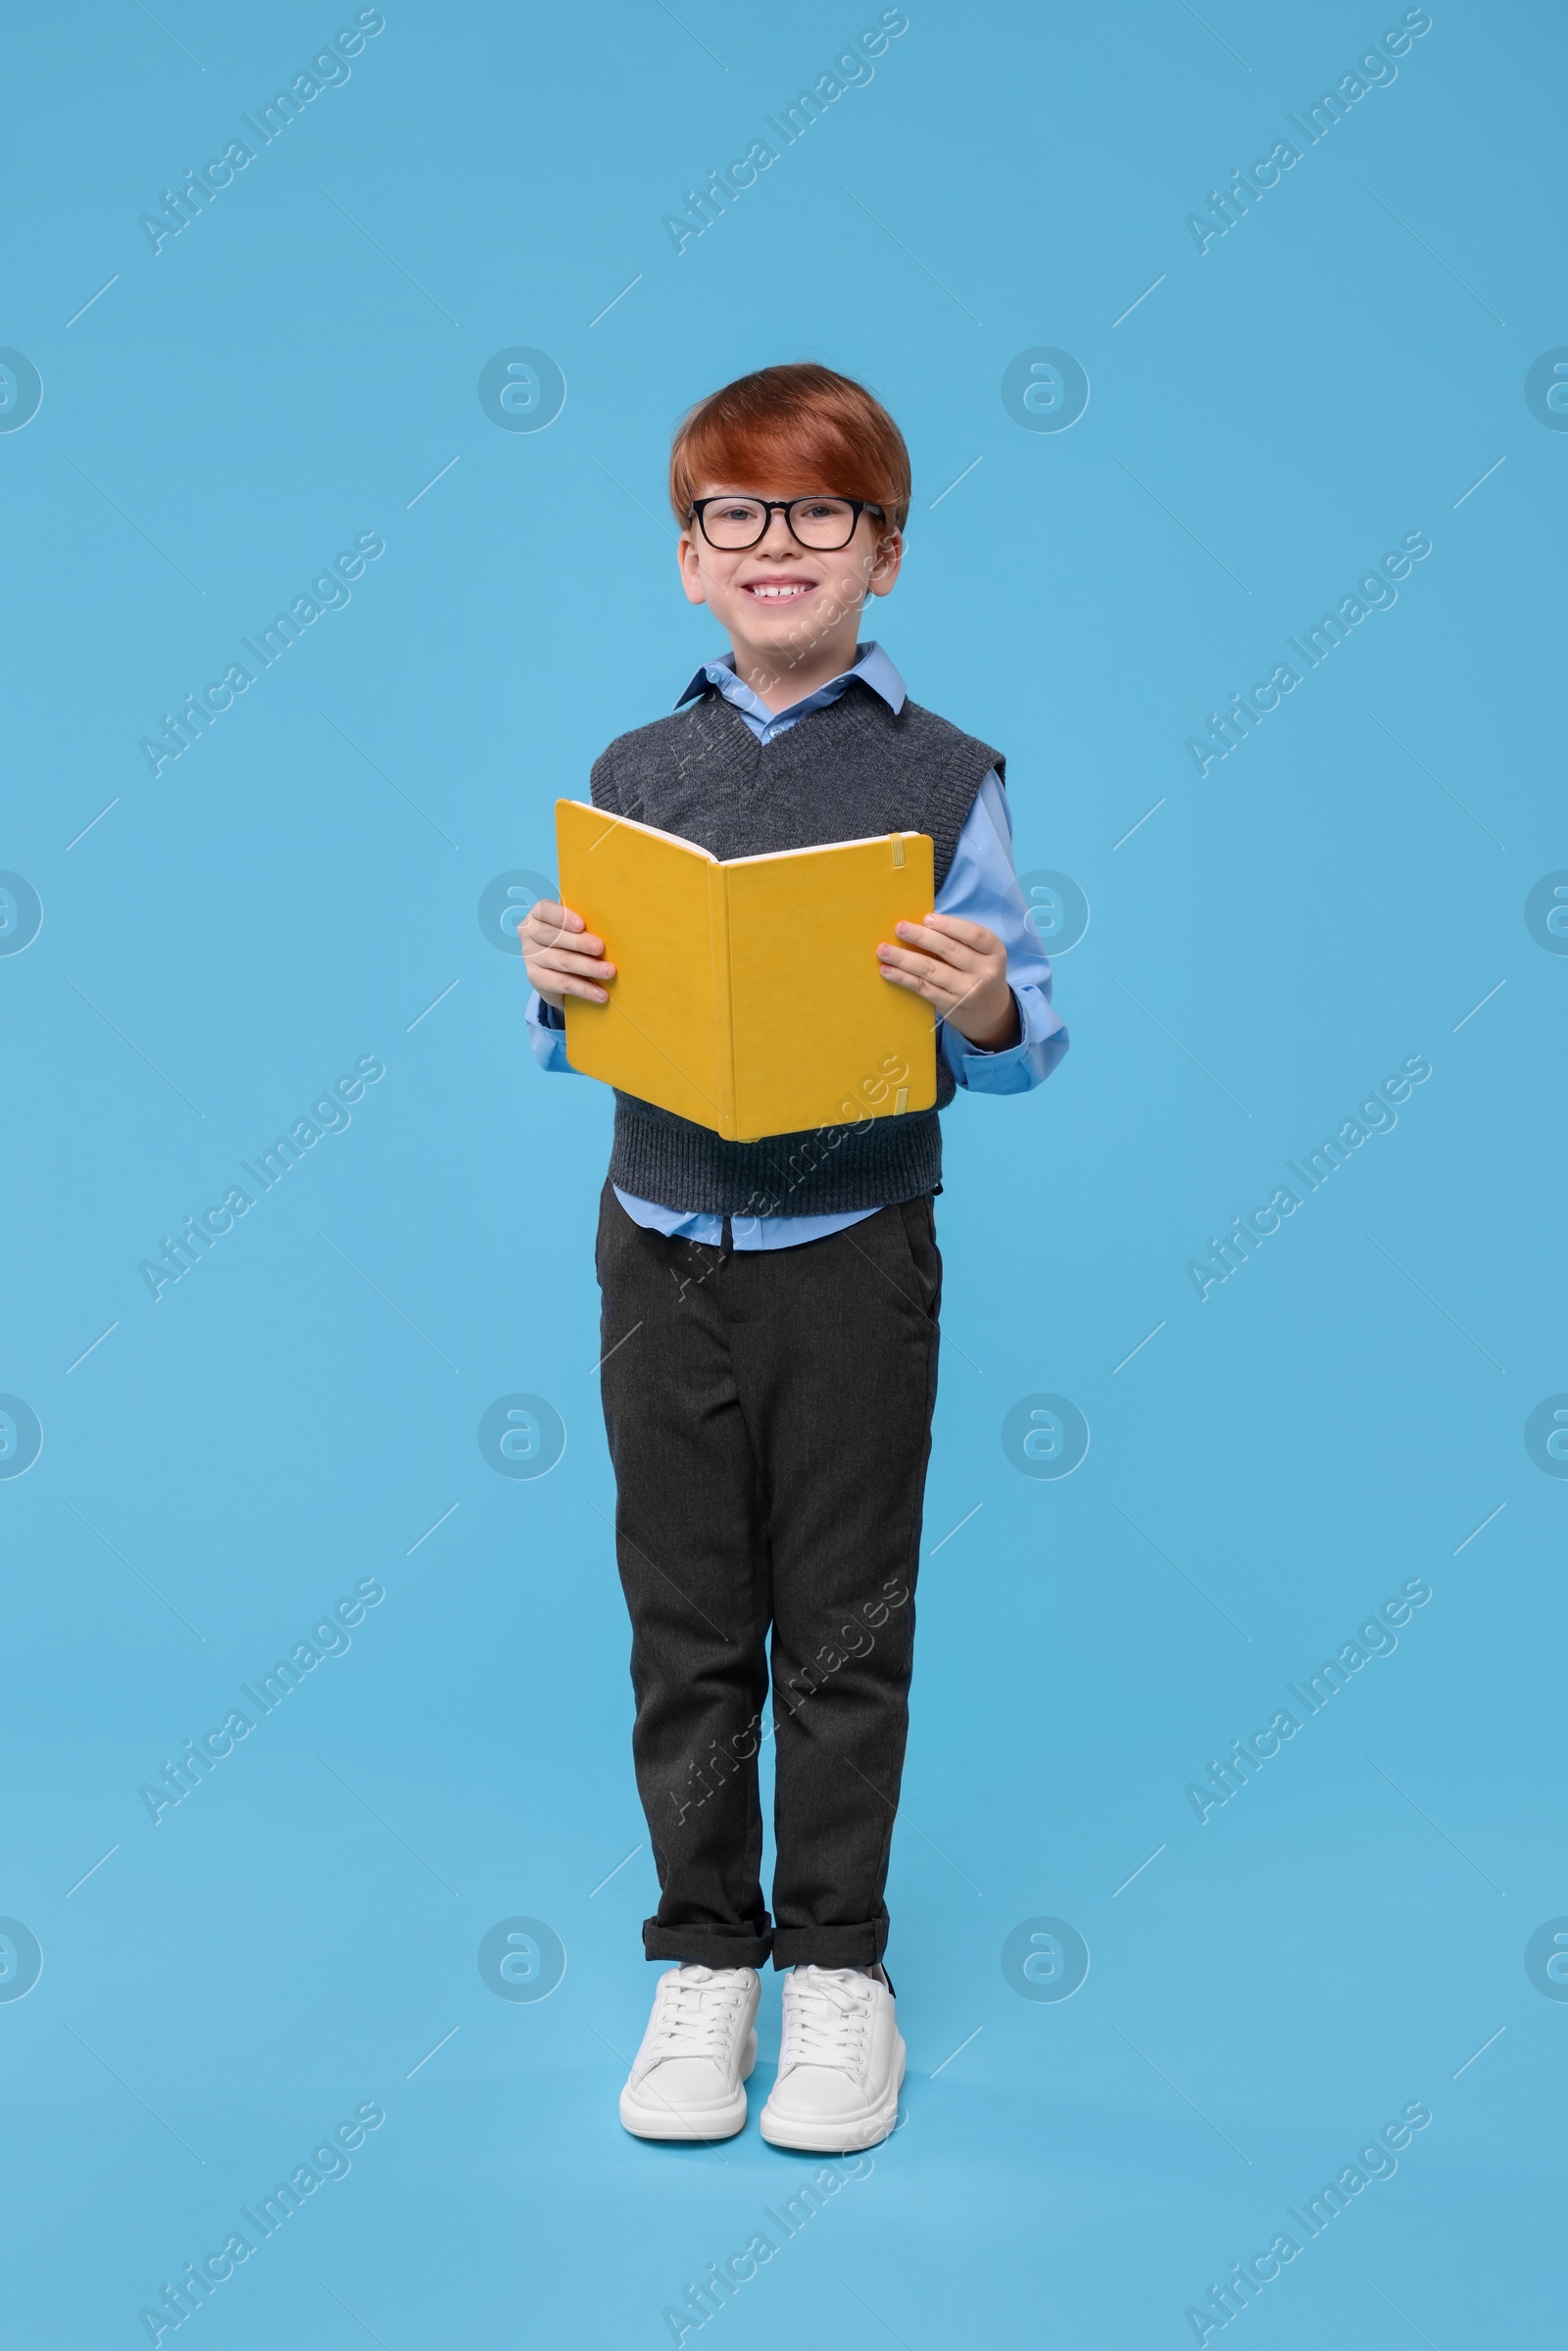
726, 1237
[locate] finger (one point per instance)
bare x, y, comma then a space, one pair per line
973, 933
935, 1000
567, 962
547, 917
562, 934
934, 981
938, 944
906, 959
941, 985
909, 979
566, 985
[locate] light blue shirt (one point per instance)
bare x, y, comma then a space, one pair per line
981, 886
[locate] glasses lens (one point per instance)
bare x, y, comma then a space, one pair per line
734, 521
824, 522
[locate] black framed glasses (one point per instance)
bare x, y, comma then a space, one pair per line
822, 523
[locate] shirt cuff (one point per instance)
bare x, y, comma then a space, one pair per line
547, 1034
1017, 1067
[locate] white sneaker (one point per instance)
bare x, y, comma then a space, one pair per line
688, 2079
841, 2065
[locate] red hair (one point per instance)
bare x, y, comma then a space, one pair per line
799, 424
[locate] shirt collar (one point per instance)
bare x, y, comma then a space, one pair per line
871, 666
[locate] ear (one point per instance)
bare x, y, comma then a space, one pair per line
691, 568
886, 564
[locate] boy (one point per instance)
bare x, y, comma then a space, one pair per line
769, 1309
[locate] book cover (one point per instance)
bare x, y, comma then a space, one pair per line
748, 994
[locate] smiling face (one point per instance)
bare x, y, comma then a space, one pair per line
792, 613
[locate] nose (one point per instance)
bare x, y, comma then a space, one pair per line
779, 538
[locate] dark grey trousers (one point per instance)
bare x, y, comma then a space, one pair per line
769, 1421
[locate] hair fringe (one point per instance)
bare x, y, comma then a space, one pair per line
800, 423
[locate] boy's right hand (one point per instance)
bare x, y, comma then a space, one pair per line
563, 956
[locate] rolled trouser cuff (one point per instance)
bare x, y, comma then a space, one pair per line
830, 1946
706, 1947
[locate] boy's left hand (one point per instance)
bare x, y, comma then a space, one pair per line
960, 969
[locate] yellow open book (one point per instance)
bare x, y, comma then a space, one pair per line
748, 995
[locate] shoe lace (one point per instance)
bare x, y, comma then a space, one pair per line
827, 2017
696, 2012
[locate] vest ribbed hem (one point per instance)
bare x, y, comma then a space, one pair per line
826, 1171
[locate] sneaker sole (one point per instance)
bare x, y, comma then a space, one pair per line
838, 2134
657, 2120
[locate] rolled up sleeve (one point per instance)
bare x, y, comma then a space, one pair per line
547, 1034
982, 886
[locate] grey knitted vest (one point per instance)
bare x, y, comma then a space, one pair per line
844, 773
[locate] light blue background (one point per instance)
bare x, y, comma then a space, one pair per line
223, 419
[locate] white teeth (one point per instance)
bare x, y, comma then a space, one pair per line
774, 595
